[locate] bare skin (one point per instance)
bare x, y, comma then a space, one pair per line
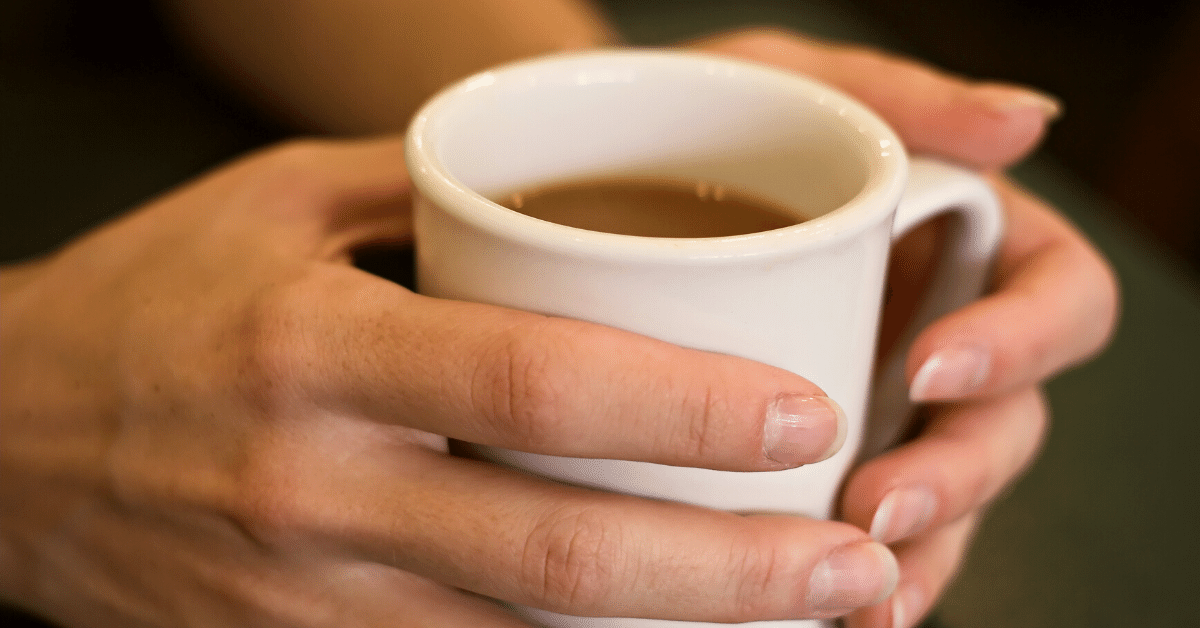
211, 418
262, 426
364, 66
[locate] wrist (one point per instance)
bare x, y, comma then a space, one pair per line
15, 276
15, 570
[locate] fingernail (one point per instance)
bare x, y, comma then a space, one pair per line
853, 576
901, 513
803, 429
950, 373
905, 605
1004, 98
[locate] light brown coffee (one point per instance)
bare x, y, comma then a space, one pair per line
653, 208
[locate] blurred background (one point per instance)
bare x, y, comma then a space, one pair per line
99, 111
1128, 72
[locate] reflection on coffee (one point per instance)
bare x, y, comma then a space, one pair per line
653, 208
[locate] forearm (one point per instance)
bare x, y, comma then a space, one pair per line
361, 66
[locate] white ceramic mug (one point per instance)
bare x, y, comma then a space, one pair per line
806, 298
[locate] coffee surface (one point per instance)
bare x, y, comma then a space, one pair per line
652, 208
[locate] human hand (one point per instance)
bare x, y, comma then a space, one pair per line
211, 418
1053, 304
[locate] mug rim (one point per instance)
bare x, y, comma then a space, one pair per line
886, 169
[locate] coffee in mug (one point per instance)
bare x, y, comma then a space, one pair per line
655, 208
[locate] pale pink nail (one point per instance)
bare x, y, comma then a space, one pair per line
950, 373
902, 513
802, 429
853, 576
1006, 98
906, 603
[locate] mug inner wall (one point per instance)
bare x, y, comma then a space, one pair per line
777, 141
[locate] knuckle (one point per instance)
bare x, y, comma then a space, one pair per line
1107, 301
296, 178
771, 37
1033, 352
902, 70
301, 155
752, 42
948, 552
991, 470
704, 410
1088, 322
572, 558
1014, 448
272, 495
515, 388
769, 568
975, 489
265, 510
1044, 354
759, 567
1011, 449
1035, 415
273, 357
271, 501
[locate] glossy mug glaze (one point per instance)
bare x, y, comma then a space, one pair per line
806, 298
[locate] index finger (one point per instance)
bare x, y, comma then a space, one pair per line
489, 375
362, 346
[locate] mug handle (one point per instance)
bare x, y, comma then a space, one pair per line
934, 188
